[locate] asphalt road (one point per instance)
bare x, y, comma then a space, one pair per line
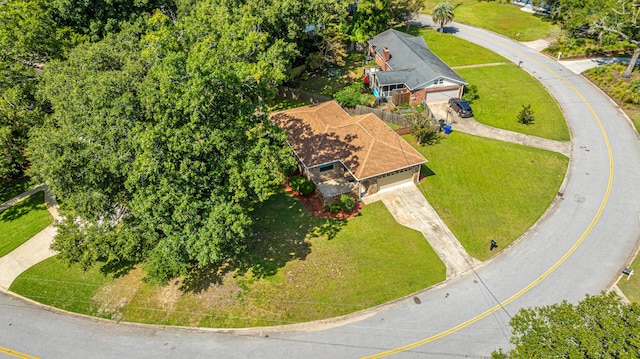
580, 246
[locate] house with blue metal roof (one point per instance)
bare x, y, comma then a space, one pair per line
408, 71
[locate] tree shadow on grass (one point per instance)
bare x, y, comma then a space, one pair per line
11, 188
117, 269
545, 17
199, 279
280, 231
330, 228
23, 207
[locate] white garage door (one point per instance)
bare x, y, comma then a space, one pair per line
441, 96
394, 179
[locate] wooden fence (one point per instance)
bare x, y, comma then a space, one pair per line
301, 95
385, 116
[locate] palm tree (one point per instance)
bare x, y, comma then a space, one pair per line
442, 14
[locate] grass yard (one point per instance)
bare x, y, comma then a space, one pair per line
281, 104
485, 189
500, 18
631, 287
299, 268
455, 51
10, 189
22, 221
503, 90
634, 115
54, 283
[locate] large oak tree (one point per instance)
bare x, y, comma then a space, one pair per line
599, 326
158, 145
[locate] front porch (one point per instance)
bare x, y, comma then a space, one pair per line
332, 180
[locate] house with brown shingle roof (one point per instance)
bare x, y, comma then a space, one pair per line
347, 154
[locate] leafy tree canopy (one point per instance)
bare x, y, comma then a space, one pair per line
96, 18
617, 19
599, 326
157, 143
370, 18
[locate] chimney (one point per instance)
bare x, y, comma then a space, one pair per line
386, 55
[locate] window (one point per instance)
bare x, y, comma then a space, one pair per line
438, 82
326, 168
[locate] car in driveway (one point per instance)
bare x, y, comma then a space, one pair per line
461, 107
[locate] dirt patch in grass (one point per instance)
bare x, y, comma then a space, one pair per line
113, 298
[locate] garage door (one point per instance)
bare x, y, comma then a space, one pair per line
394, 179
441, 96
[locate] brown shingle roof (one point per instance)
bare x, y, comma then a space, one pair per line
325, 133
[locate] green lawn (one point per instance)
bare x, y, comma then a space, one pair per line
10, 189
503, 90
455, 51
281, 104
485, 189
634, 115
298, 268
22, 221
631, 287
500, 18
54, 283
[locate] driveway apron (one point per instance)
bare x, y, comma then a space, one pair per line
409, 207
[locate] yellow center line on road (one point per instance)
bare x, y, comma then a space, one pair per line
16, 354
555, 266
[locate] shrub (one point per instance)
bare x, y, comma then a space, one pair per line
600, 70
470, 93
289, 169
296, 183
352, 95
526, 116
347, 202
334, 208
632, 92
326, 208
307, 188
425, 130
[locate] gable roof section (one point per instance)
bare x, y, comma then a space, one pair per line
325, 133
411, 55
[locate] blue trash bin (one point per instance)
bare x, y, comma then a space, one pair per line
447, 129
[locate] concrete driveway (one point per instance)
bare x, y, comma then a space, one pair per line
409, 207
473, 127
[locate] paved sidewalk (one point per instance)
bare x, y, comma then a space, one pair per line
409, 207
579, 66
473, 127
28, 254
33, 251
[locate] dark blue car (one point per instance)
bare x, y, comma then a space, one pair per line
461, 107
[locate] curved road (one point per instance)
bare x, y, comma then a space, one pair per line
579, 247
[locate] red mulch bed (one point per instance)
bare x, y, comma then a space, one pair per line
314, 205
